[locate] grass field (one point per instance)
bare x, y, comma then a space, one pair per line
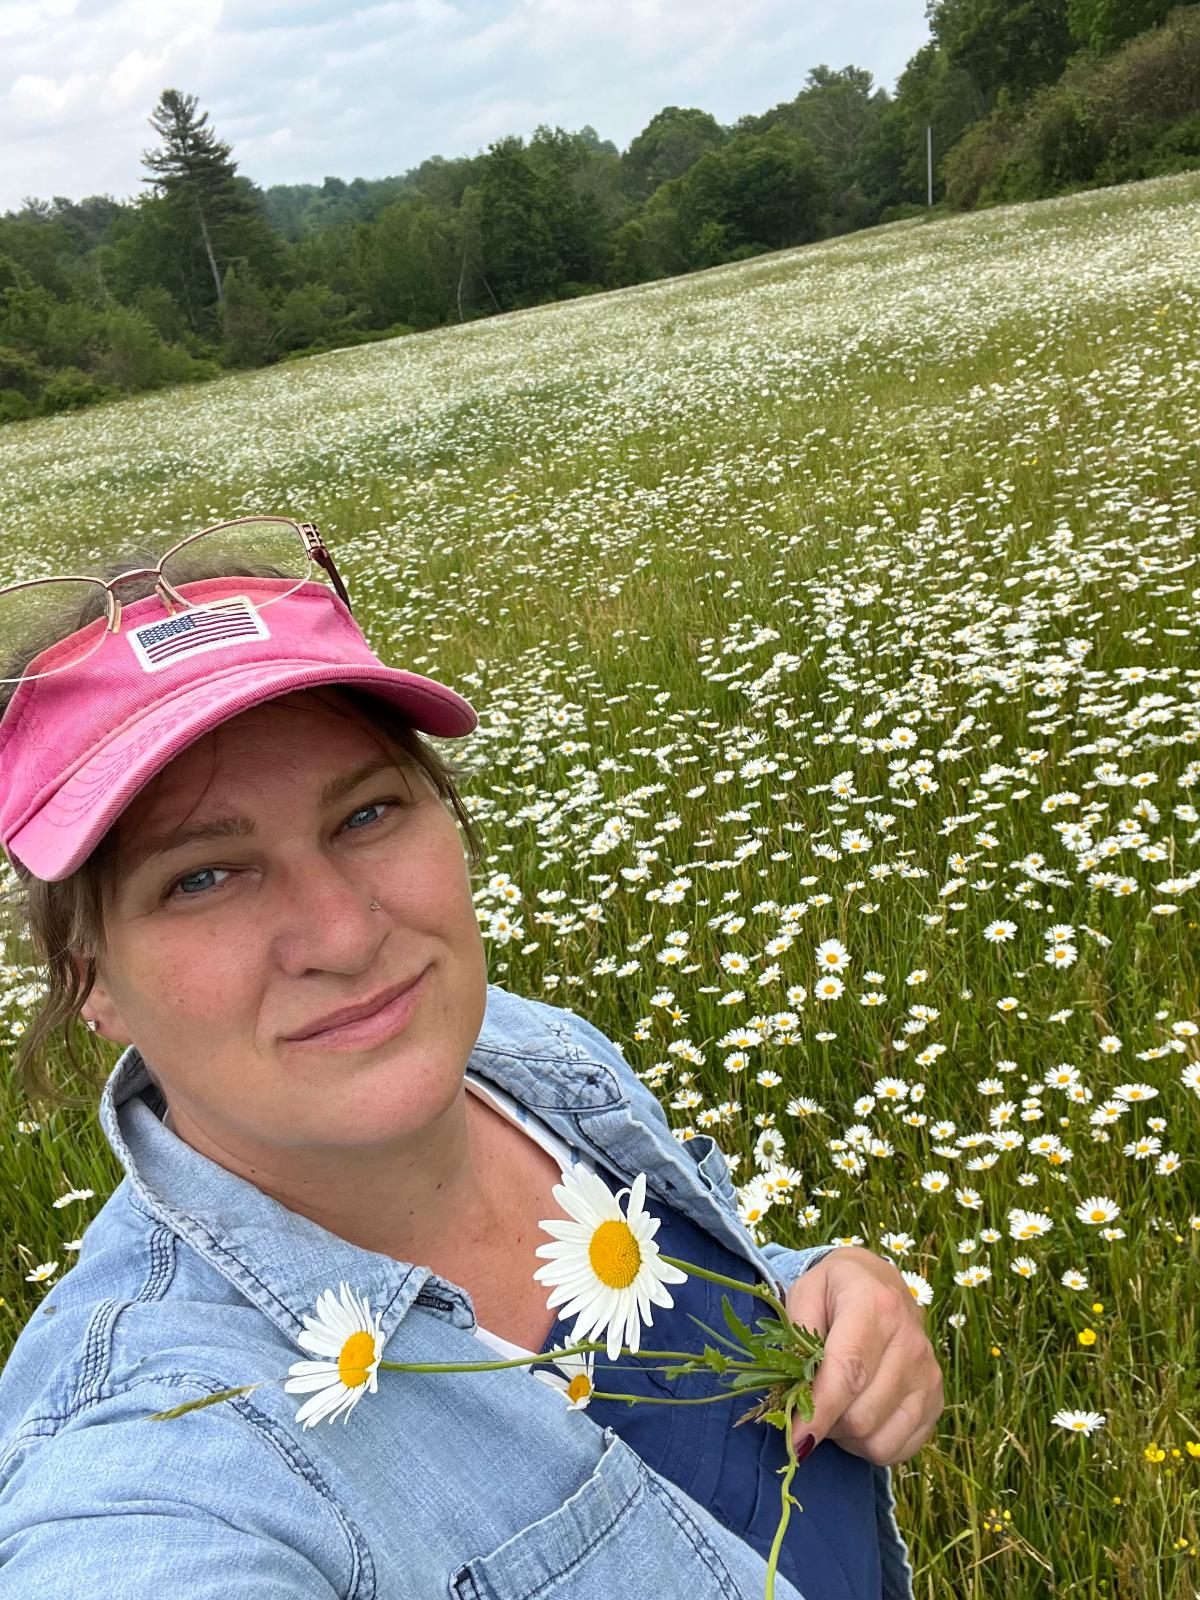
843, 598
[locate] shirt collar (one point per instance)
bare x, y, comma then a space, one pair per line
281, 1260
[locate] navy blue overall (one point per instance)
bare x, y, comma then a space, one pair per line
831, 1549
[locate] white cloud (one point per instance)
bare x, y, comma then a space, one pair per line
43, 100
136, 77
302, 88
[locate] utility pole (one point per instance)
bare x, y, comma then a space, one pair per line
929, 159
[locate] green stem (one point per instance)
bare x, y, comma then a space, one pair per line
650, 1400
789, 1474
488, 1366
732, 1283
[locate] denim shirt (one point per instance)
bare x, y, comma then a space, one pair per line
471, 1486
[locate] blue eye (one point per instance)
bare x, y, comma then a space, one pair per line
174, 890
199, 873
374, 806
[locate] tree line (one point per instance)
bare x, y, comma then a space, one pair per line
204, 271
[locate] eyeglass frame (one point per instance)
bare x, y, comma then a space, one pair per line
314, 546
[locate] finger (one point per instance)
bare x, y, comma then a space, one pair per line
897, 1413
888, 1394
891, 1446
894, 1454
854, 1348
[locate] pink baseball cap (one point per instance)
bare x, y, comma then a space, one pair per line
76, 747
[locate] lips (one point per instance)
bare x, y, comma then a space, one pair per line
368, 1008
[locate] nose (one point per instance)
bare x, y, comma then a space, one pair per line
326, 917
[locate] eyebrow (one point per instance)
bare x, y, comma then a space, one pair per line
147, 847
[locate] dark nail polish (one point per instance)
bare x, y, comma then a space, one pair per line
806, 1446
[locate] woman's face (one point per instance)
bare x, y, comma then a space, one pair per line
222, 948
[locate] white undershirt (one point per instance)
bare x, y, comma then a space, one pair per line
541, 1134
558, 1148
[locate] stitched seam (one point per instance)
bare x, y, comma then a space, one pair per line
362, 1566
183, 1226
98, 1351
94, 1364
703, 1547
562, 1572
621, 1513
526, 1056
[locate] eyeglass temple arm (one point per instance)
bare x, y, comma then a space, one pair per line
316, 549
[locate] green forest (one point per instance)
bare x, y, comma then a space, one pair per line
202, 271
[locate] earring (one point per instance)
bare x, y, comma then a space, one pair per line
92, 1024
375, 906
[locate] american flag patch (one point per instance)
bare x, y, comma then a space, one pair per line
211, 626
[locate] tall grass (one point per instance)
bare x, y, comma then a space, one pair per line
844, 594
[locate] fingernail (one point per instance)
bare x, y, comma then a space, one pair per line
806, 1446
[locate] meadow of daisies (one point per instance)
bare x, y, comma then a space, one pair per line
832, 622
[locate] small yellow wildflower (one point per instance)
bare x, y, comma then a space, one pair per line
1087, 1336
1153, 1453
1193, 1447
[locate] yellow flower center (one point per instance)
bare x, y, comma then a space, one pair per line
579, 1388
358, 1352
615, 1254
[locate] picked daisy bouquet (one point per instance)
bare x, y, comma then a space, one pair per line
603, 1268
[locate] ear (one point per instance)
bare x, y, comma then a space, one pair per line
102, 1009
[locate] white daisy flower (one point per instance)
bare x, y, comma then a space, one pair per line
919, 1287
352, 1347
1085, 1422
1096, 1209
1028, 1224
573, 1380
832, 955
605, 1264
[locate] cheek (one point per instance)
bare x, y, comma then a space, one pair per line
185, 977
434, 876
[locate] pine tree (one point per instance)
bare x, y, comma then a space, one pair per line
196, 174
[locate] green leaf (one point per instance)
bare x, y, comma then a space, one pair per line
737, 1327
758, 1379
720, 1337
777, 1419
716, 1359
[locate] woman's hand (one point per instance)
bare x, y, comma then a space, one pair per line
878, 1390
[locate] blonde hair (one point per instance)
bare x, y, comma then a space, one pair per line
64, 920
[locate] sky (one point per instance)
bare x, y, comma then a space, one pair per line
302, 89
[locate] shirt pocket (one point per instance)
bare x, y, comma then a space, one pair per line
625, 1531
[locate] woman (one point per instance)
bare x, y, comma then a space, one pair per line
242, 863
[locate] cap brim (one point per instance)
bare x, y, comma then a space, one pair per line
70, 823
